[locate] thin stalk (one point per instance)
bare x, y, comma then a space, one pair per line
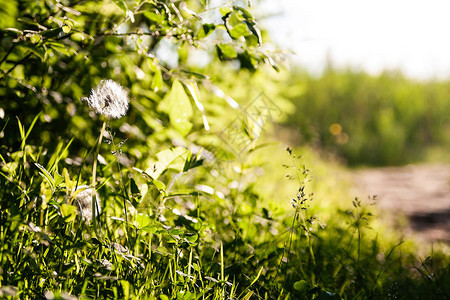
222, 271
125, 192
94, 179
308, 238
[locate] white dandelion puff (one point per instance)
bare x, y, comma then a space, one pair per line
109, 99
83, 200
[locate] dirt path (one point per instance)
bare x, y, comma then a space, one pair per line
419, 192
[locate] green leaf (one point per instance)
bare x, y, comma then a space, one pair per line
175, 231
135, 197
244, 12
178, 106
51, 33
68, 212
302, 286
239, 30
154, 17
35, 38
256, 32
191, 238
248, 295
226, 51
172, 158
44, 173
192, 161
122, 5
61, 48
150, 229
225, 10
157, 77
205, 30
134, 187
125, 288
143, 220
159, 185
58, 179
195, 93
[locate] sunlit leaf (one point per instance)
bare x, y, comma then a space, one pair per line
157, 18
68, 212
205, 30
225, 10
239, 30
172, 158
226, 51
142, 220
134, 188
193, 90
122, 5
46, 175
178, 106
159, 185
301, 286
157, 79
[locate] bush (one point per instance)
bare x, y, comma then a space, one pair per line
374, 120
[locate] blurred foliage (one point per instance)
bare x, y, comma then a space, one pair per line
195, 197
371, 120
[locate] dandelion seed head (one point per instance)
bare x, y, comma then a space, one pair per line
109, 99
83, 201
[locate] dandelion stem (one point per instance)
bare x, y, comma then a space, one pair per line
94, 177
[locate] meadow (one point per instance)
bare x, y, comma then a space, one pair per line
175, 180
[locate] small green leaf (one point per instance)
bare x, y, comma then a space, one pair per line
125, 288
225, 10
68, 212
195, 93
239, 30
191, 238
226, 51
142, 220
58, 178
205, 30
58, 47
157, 80
46, 175
122, 5
154, 17
150, 229
301, 286
159, 185
134, 187
255, 30
170, 158
35, 38
244, 12
178, 106
176, 231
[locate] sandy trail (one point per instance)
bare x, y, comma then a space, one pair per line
419, 192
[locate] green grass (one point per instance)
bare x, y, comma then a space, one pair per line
288, 233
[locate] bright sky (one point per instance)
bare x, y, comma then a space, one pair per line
410, 35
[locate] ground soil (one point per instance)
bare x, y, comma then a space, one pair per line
419, 194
